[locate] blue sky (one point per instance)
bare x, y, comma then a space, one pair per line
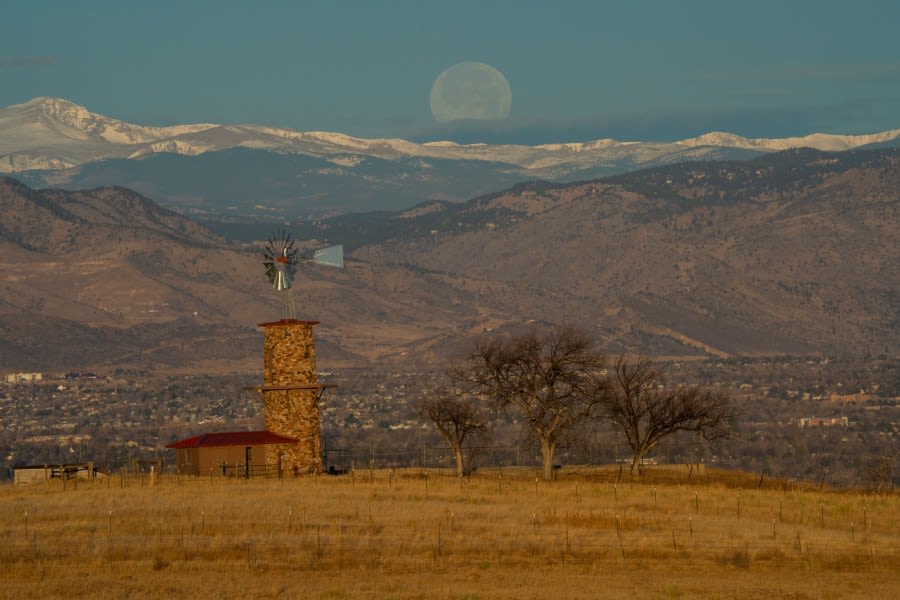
578, 70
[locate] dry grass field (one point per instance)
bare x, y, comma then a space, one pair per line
415, 534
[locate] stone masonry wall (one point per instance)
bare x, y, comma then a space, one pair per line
290, 360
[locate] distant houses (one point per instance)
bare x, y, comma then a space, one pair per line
823, 422
23, 377
80, 375
31, 377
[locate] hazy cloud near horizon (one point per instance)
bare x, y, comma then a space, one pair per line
24, 62
770, 122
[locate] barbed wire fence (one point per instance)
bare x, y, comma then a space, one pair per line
433, 456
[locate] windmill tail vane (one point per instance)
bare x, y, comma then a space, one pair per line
333, 256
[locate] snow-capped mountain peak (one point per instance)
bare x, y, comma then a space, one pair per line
52, 133
77, 123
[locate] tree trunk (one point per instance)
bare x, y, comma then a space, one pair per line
636, 464
547, 450
460, 464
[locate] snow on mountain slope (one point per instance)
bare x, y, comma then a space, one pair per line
819, 141
50, 119
52, 134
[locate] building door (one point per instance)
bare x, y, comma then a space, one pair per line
248, 458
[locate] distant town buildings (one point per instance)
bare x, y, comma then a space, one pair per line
23, 377
81, 375
860, 398
823, 422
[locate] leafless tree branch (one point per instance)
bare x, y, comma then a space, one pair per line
554, 381
646, 412
458, 418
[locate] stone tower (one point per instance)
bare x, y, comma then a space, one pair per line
291, 395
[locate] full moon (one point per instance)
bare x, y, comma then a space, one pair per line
470, 90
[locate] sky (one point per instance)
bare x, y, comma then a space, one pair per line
577, 70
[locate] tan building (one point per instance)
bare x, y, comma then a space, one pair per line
232, 453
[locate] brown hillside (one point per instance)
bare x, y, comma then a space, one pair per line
806, 261
106, 279
786, 255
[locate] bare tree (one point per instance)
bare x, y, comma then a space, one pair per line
554, 381
880, 471
458, 418
646, 412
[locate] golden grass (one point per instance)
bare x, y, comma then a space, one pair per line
405, 534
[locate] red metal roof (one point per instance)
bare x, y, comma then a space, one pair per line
233, 438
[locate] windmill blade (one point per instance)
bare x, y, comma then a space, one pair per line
333, 256
271, 272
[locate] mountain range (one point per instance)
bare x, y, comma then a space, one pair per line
240, 172
793, 252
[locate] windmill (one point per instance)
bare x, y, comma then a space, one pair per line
281, 260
